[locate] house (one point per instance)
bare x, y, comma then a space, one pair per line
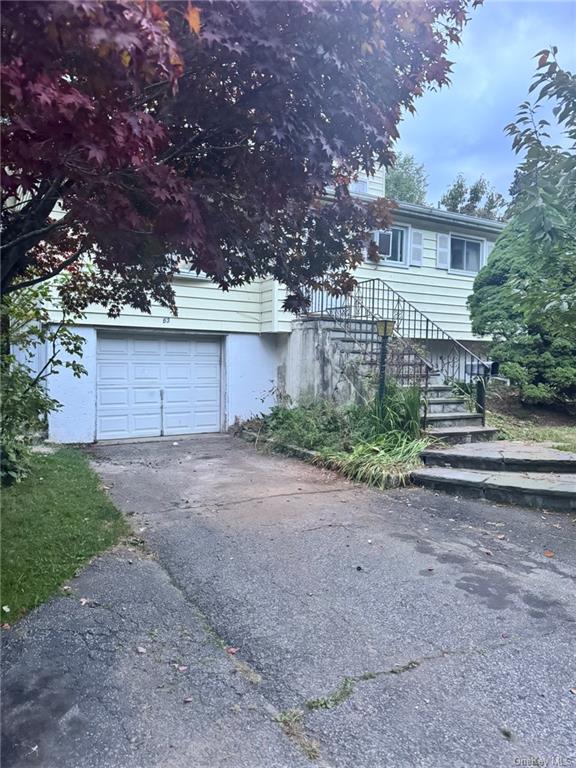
225, 355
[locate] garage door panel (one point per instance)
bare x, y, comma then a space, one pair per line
110, 426
113, 396
153, 386
178, 395
207, 371
113, 373
146, 396
147, 347
179, 348
146, 423
108, 345
206, 421
178, 372
146, 372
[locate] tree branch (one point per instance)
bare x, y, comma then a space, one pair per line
34, 233
28, 283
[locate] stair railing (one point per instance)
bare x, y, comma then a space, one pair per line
358, 324
373, 300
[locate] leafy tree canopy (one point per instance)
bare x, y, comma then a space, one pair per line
476, 199
407, 180
526, 295
150, 134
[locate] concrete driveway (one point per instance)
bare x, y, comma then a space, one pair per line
269, 614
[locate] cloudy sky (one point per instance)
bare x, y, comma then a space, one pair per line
460, 128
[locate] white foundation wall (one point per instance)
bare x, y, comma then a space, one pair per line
75, 421
254, 368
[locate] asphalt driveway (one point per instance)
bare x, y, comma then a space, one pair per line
270, 614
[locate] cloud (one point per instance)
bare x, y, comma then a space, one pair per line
461, 128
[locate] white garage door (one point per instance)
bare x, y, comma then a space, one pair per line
150, 386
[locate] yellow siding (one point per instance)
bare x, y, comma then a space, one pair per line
202, 306
257, 308
438, 293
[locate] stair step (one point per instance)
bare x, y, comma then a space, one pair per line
439, 420
542, 490
439, 391
447, 405
470, 434
508, 456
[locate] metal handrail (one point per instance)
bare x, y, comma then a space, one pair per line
430, 322
374, 300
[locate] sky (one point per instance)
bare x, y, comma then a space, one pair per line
461, 128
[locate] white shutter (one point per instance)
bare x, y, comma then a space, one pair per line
416, 248
442, 251
487, 250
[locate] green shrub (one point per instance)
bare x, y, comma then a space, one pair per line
24, 406
27, 326
320, 424
385, 462
378, 443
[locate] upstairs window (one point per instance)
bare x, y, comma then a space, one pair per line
392, 245
465, 255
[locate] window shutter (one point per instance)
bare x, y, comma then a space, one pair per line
442, 251
416, 248
487, 250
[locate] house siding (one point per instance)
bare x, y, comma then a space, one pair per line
202, 307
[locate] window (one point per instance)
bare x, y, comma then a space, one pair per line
465, 255
392, 244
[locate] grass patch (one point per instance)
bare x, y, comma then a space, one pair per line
512, 428
292, 723
343, 692
385, 462
52, 522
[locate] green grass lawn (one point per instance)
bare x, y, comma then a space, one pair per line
512, 428
52, 522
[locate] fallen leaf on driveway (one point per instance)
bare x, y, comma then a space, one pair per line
573, 690
141, 649
84, 600
231, 650
487, 552
548, 553
501, 536
189, 700
181, 668
5, 626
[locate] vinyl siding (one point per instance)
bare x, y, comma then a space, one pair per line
438, 293
202, 307
257, 308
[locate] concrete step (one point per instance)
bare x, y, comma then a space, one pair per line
541, 490
439, 391
447, 405
440, 420
503, 455
452, 435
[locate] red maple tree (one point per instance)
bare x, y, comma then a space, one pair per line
139, 136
